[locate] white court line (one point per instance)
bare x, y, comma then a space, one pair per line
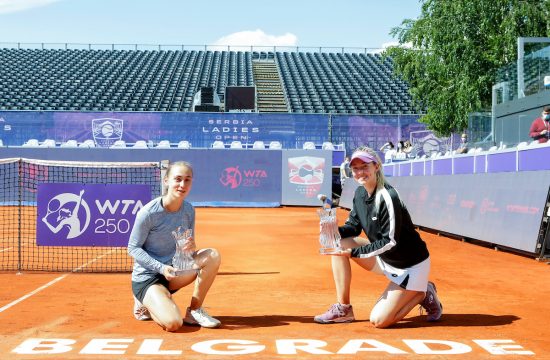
92, 261
6, 249
6, 307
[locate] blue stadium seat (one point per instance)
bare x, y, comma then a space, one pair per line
161, 80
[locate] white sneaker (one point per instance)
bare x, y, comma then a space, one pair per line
140, 311
200, 317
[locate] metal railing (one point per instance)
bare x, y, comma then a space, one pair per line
188, 47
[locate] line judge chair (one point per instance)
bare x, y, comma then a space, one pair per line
184, 144
69, 144
236, 145
327, 145
87, 144
258, 144
218, 145
140, 144
31, 143
119, 144
48, 143
163, 144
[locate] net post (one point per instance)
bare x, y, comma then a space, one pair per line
19, 204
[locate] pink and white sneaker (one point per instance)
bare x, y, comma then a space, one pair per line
337, 313
140, 311
431, 303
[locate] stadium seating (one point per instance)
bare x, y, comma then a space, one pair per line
167, 80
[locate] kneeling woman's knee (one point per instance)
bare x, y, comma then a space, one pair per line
380, 320
214, 256
380, 323
172, 325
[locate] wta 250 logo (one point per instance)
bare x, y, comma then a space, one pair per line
232, 177
68, 212
73, 214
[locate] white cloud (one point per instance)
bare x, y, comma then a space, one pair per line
10, 6
256, 38
389, 44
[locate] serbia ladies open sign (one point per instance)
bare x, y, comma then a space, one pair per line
88, 214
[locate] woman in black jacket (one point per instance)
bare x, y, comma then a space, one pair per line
394, 248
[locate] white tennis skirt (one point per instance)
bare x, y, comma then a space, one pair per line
414, 278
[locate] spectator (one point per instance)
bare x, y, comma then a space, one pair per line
389, 151
463, 147
407, 149
400, 154
539, 127
386, 147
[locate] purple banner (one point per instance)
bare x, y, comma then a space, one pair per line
88, 214
200, 129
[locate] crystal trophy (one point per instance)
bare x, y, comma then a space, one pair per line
329, 237
183, 259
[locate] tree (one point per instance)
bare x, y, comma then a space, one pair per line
456, 48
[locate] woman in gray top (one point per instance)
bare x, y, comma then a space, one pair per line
158, 226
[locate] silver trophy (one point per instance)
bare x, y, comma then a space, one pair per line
329, 237
183, 259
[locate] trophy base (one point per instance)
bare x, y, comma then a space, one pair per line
330, 251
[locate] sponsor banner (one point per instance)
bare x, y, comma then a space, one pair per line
479, 206
72, 214
236, 176
201, 129
374, 130
305, 174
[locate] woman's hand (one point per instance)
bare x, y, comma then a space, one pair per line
189, 245
169, 272
345, 253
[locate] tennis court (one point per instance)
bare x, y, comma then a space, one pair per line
271, 283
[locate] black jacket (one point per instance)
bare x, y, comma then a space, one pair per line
389, 228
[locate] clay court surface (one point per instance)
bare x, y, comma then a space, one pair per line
271, 283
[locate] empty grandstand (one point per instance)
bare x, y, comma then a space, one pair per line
167, 80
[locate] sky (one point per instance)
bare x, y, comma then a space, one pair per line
302, 23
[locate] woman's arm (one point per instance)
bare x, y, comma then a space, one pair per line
139, 234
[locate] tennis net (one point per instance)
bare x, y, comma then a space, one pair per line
20, 180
